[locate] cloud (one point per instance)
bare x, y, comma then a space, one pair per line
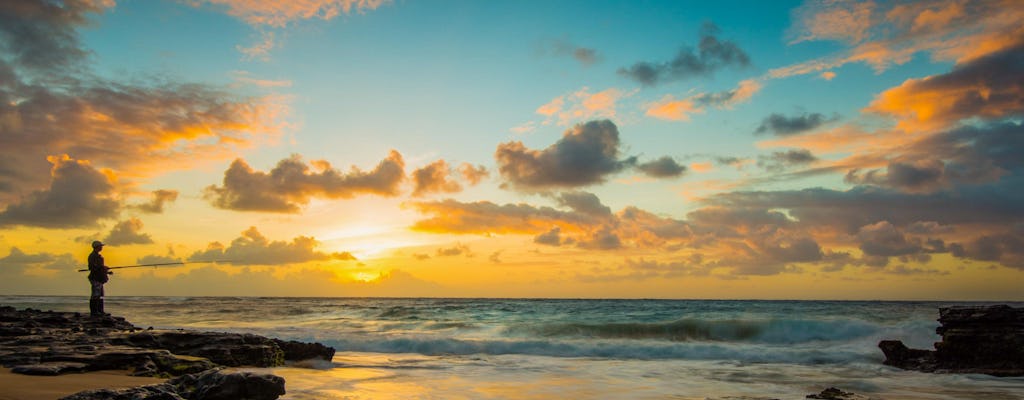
985, 88
78, 196
292, 183
53, 105
584, 203
849, 22
278, 14
886, 33
581, 105
712, 54
782, 160
434, 178
664, 167
473, 174
40, 35
458, 249
669, 108
156, 205
563, 48
18, 258
585, 155
550, 238
884, 240
1006, 248
127, 232
781, 125
252, 248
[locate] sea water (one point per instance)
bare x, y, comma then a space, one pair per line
575, 349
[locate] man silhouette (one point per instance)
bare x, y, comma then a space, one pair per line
98, 272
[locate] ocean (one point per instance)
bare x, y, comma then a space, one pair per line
412, 348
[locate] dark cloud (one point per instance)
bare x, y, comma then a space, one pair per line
664, 167
782, 125
127, 232
40, 35
1006, 248
585, 155
603, 239
434, 178
584, 203
965, 155
928, 228
711, 55
783, 160
922, 177
882, 239
78, 196
156, 204
864, 205
550, 238
292, 183
252, 248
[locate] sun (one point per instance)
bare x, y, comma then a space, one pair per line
364, 276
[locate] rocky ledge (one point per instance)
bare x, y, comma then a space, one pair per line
975, 339
34, 342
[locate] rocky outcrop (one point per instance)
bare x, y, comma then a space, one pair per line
298, 351
208, 385
34, 342
975, 339
833, 393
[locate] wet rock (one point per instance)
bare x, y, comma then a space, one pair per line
208, 385
298, 351
836, 394
975, 339
229, 349
50, 368
52, 343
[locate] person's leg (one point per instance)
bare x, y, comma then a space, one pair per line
96, 298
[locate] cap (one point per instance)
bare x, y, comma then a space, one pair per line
97, 243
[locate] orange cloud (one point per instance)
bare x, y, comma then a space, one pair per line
582, 105
668, 108
278, 14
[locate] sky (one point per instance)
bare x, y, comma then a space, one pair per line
570, 149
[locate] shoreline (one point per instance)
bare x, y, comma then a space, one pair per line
31, 387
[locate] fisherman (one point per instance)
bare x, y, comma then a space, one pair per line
98, 272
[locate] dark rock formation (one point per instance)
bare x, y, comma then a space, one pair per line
836, 394
34, 342
975, 339
208, 385
297, 351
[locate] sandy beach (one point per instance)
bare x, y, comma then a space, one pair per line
25, 387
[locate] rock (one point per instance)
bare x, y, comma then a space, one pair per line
53, 343
298, 351
50, 368
229, 349
208, 385
975, 339
836, 394
239, 385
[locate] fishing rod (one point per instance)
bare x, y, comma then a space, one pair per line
162, 264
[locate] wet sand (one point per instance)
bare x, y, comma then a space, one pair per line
27, 387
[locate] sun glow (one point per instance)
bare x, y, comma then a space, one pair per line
368, 242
